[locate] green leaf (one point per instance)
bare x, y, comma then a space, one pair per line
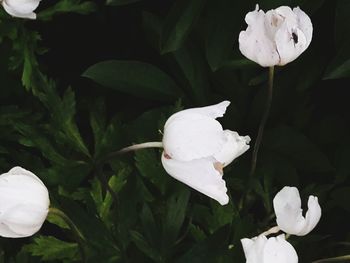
50, 248
179, 22
143, 245
121, 2
149, 165
175, 216
296, 146
224, 24
67, 6
134, 77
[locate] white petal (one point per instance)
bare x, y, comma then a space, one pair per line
212, 111
24, 219
199, 174
278, 250
304, 24
21, 8
234, 146
193, 136
273, 250
256, 42
254, 248
24, 203
287, 205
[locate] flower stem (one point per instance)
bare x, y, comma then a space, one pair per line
99, 167
336, 259
77, 234
263, 122
272, 230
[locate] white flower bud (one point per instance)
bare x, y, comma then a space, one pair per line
21, 8
24, 203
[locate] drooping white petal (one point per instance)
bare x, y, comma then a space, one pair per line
289, 217
199, 174
234, 146
194, 134
256, 43
269, 250
21, 8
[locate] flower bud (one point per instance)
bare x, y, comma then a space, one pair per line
24, 203
21, 8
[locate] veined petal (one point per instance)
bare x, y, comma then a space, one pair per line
192, 136
234, 146
287, 205
199, 174
269, 250
256, 43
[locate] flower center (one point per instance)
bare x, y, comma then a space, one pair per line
219, 167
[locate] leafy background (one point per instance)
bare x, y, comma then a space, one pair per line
88, 78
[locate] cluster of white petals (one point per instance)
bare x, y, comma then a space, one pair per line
269, 250
290, 219
197, 148
24, 203
276, 37
21, 8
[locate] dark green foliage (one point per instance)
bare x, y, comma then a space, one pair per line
127, 65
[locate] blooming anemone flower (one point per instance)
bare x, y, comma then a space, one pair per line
268, 250
196, 149
287, 205
24, 203
21, 8
277, 37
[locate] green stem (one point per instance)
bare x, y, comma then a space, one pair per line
99, 168
336, 259
77, 234
263, 122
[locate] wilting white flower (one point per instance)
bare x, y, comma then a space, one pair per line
277, 37
196, 149
269, 250
289, 215
24, 203
21, 8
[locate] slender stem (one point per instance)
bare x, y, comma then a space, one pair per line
341, 258
263, 121
78, 235
99, 168
272, 230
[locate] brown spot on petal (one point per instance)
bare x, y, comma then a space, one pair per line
219, 167
166, 156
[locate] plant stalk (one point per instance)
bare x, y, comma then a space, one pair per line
263, 121
336, 259
77, 234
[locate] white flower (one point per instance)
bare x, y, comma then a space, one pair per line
287, 205
269, 250
24, 203
277, 37
196, 149
21, 8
